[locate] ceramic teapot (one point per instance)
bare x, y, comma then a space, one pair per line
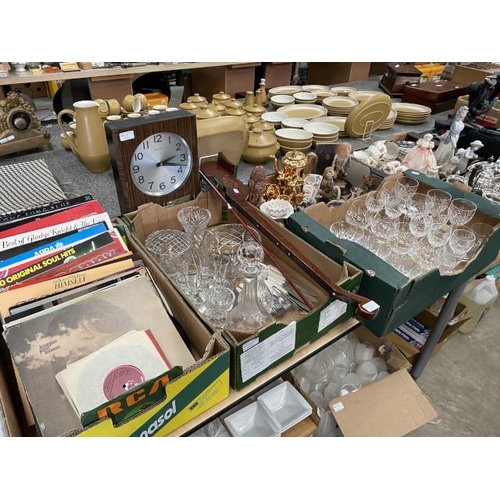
260, 146
484, 175
296, 163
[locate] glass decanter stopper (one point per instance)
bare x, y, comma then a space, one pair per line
249, 315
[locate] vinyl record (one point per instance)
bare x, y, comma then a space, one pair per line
112, 370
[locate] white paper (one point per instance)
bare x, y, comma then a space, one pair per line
331, 313
126, 136
264, 354
337, 406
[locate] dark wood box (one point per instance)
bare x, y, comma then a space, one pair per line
439, 95
396, 76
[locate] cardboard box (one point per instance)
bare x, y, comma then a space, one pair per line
428, 318
175, 398
399, 297
464, 74
252, 355
9, 421
391, 407
491, 119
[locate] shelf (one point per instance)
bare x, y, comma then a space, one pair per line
237, 396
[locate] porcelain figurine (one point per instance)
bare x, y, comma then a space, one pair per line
341, 160
421, 157
448, 144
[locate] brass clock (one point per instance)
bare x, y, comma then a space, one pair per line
154, 159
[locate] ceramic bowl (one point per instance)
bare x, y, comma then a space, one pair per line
319, 129
282, 100
274, 117
305, 97
294, 123
294, 135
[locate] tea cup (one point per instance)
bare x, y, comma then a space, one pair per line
144, 101
114, 107
131, 103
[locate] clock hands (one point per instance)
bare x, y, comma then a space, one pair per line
166, 161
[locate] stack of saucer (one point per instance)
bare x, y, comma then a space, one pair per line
294, 139
322, 132
410, 113
339, 105
338, 121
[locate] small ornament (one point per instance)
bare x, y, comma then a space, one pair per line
257, 184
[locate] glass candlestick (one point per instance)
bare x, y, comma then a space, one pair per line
249, 315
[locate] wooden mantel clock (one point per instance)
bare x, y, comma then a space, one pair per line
154, 159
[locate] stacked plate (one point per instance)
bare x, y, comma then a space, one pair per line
390, 120
305, 111
284, 90
322, 94
294, 139
342, 90
338, 121
305, 97
363, 95
339, 105
412, 114
274, 117
281, 100
322, 132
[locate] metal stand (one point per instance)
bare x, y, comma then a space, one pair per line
437, 330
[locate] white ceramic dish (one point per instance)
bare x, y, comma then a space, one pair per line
285, 406
305, 97
282, 100
251, 421
274, 117
321, 129
294, 134
294, 122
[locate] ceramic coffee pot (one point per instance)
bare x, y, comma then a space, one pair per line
296, 163
92, 148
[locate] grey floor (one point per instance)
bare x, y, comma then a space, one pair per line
462, 381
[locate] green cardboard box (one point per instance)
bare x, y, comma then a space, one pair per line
399, 298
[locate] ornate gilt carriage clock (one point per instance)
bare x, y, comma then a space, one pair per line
154, 159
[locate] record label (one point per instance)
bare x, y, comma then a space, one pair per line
121, 379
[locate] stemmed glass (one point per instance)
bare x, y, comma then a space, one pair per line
437, 203
461, 211
357, 214
461, 241
218, 301
405, 187
375, 201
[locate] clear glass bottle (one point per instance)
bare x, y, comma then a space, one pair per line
249, 315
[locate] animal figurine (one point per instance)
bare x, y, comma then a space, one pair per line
328, 189
341, 160
257, 184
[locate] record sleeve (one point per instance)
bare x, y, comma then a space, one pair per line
112, 370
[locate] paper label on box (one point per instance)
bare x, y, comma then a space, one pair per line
337, 406
331, 313
371, 306
126, 136
249, 344
261, 356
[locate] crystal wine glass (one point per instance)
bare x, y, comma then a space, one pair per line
461, 211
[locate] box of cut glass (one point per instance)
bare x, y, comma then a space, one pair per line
406, 271
245, 276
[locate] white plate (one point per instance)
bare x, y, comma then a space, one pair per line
251, 421
273, 117
294, 122
285, 405
293, 134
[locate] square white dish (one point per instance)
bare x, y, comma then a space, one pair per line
251, 421
285, 405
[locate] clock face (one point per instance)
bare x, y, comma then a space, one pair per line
161, 164
154, 159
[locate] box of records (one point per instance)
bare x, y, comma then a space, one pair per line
89, 336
